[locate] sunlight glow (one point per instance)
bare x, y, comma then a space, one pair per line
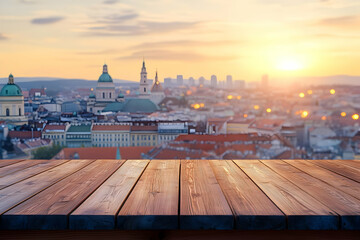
268, 110
332, 91
343, 114
289, 64
355, 116
302, 95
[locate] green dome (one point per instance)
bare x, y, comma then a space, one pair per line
105, 77
11, 90
92, 95
121, 95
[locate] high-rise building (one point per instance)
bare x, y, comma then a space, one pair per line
191, 81
179, 80
213, 81
229, 81
167, 82
201, 80
240, 84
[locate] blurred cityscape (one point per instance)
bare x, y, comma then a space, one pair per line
179, 118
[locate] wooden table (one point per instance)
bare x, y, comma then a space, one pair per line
180, 194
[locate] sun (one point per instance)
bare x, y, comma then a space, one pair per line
289, 64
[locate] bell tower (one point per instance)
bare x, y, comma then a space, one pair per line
144, 86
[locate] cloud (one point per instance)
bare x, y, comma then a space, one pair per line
116, 18
139, 28
175, 56
3, 37
185, 43
100, 52
47, 20
27, 1
339, 21
110, 1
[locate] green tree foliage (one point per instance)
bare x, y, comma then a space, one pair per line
46, 152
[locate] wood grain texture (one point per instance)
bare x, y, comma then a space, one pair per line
340, 202
28, 172
6, 162
302, 210
202, 202
59, 200
351, 163
16, 193
338, 181
100, 209
253, 210
19, 166
342, 169
154, 202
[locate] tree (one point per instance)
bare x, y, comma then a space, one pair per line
8, 145
46, 152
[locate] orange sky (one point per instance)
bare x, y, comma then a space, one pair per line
244, 38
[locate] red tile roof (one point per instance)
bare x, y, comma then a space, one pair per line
25, 134
54, 127
103, 152
111, 128
221, 138
144, 128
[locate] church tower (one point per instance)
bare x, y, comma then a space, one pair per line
144, 86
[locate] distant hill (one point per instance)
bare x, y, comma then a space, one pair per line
61, 83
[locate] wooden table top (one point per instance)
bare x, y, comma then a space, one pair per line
180, 194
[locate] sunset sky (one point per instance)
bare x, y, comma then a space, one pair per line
244, 38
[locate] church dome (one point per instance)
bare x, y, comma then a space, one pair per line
105, 77
11, 89
121, 95
92, 95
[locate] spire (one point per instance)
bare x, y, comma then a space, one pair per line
11, 79
156, 77
105, 70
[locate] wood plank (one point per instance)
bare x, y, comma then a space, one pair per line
29, 172
340, 168
338, 181
202, 203
253, 210
19, 166
154, 202
351, 163
302, 210
100, 209
16, 193
59, 200
6, 162
343, 204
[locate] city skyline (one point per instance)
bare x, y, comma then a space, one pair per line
245, 38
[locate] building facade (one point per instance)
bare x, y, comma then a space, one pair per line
110, 135
78, 135
56, 133
12, 103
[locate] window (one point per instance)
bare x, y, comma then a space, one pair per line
6, 91
19, 111
103, 95
109, 95
144, 89
7, 111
